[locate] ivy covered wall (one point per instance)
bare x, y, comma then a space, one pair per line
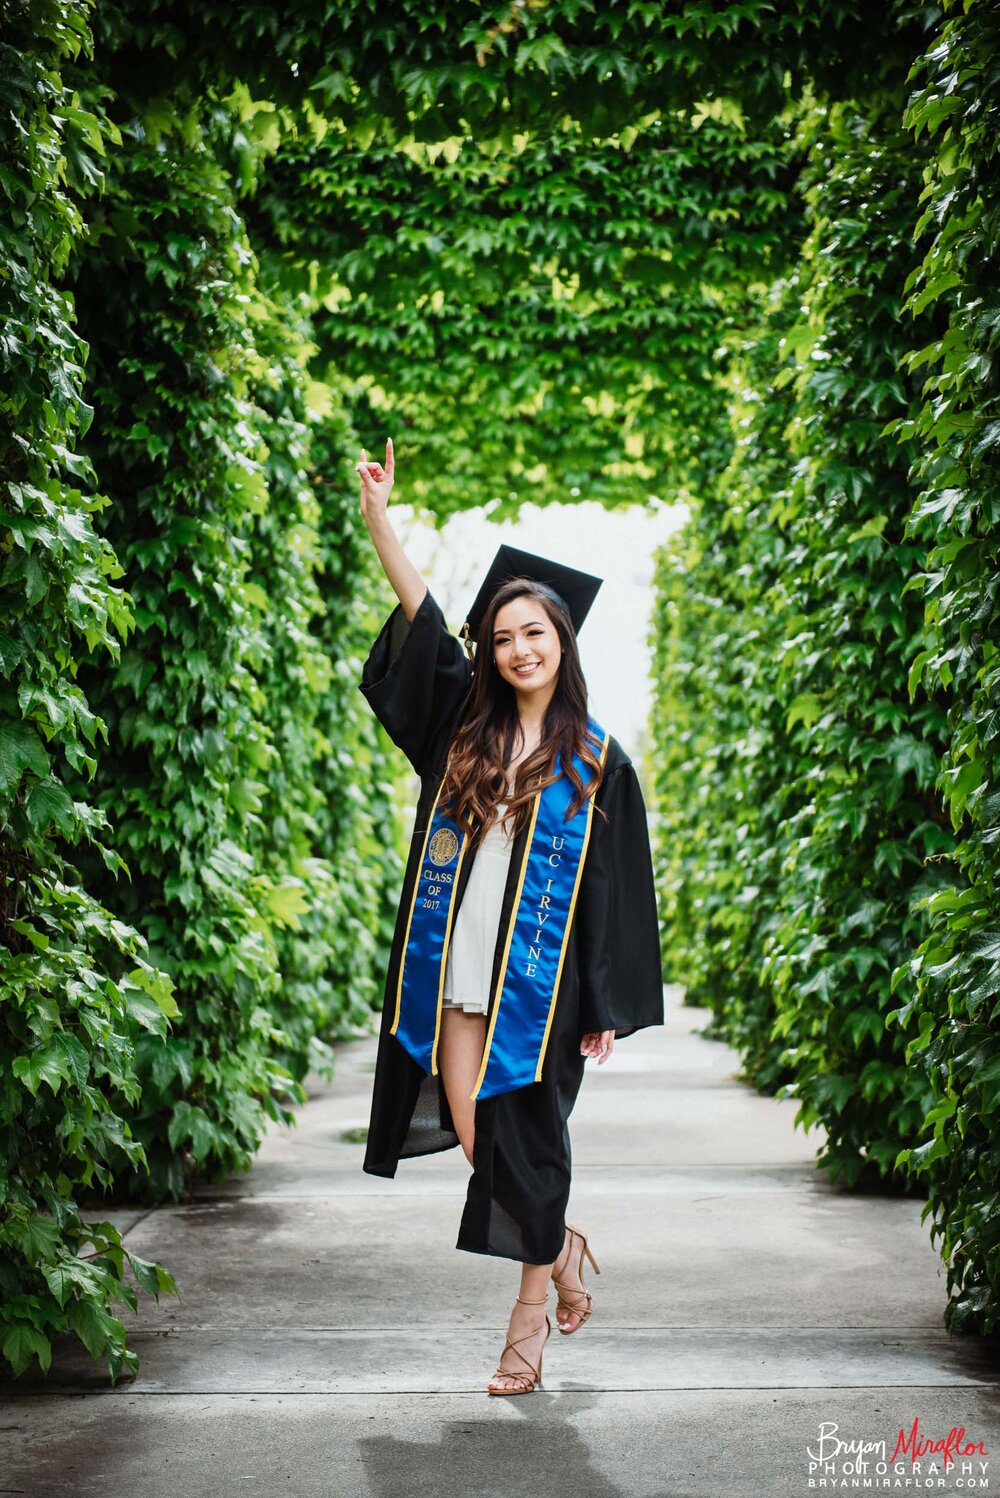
194, 886
826, 637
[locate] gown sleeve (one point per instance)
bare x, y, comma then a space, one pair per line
621, 973
415, 679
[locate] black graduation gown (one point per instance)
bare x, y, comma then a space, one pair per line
417, 678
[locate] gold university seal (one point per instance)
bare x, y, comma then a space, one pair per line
443, 846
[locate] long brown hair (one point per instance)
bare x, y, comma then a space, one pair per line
476, 776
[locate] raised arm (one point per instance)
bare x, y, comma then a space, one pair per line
417, 674
376, 483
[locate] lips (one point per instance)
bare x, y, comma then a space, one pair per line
526, 670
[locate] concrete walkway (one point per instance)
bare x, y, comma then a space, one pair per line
332, 1343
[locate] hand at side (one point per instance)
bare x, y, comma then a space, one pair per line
599, 1043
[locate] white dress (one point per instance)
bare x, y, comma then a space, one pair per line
473, 941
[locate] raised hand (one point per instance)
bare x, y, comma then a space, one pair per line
376, 483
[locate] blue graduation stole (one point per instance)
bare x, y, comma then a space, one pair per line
534, 947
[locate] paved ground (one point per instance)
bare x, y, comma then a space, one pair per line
331, 1342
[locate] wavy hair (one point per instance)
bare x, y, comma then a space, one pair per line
482, 747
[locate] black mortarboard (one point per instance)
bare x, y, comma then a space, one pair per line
576, 589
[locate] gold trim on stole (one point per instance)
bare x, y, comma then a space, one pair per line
569, 919
444, 955
413, 901
506, 951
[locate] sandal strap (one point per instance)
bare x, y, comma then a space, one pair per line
564, 1301
511, 1346
578, 1301
533, 1376
524, 1377
583, 1312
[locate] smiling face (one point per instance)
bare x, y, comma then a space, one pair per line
526, 646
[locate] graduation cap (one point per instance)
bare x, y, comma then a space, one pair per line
575, 590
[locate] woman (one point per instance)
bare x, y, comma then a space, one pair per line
478, 1047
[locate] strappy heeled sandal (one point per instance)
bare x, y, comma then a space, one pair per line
563, 1303
533, 1380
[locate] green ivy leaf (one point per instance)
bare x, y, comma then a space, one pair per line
21, 1342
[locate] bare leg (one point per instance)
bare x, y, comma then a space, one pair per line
460, 1055
524, 1320
531, 1318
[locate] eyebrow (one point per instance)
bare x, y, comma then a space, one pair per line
524, 626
